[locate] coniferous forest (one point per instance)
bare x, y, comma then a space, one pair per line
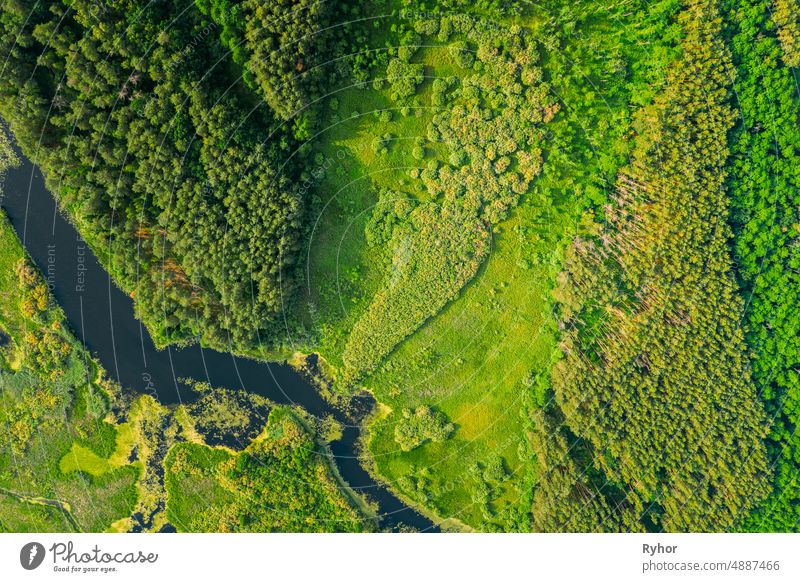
554, 246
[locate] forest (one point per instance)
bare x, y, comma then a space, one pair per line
651, 317
556, 243
152, 142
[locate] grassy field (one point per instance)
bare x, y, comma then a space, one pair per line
81, 458
280, 482
484, 360
474, 361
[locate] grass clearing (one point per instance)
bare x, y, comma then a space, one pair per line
81, 458
471, 361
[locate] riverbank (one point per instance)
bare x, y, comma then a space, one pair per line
102, 317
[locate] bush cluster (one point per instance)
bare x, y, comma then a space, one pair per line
764, 185
420, 425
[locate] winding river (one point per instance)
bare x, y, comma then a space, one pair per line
102, 317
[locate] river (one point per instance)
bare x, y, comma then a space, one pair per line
102, 317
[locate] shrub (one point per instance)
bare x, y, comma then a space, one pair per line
404, 78
420, 425
461, 54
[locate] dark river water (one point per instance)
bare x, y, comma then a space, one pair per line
102, 316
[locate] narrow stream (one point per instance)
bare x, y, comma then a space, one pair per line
102, 317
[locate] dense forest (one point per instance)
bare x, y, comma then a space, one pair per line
655, 375
557, 242
763, 187
178, 175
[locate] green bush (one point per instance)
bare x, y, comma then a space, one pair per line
420, 425
404, 78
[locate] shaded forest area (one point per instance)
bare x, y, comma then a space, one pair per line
171, 151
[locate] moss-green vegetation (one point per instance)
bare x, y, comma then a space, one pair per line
484, 133
226, 417
267, 487
421, 425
